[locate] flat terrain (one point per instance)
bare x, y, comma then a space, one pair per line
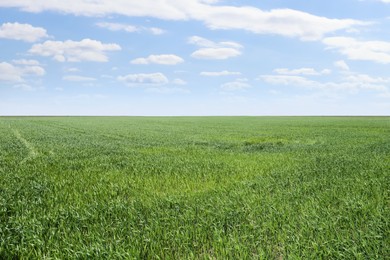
195, 187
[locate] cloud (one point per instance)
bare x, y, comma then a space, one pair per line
34, 70
118, 27
130, 28
78, 78
164, 59
352, 82
22, 32
215, 53
203, 42
179, 82
159, 9
364, 79
14, 74
214, 50
154, 30
302, 71
235, 85
29, 67
377, 51
24, 87
10, 73
341, 65
72, 70
26, 62
73, 51
167, 90
287, 80
219, 73
284, 22
144, 79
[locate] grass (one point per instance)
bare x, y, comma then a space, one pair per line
194, 187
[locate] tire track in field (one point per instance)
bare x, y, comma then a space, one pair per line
32, 152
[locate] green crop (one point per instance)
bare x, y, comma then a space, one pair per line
194, 187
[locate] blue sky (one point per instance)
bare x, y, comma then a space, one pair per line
194, 57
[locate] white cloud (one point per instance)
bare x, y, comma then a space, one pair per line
302, 71
24, 87
78, 78
203, 42
29, 67
209, 1
34, 70
214, 50
118, 27
219, 73
341, 65
179, 82
167, 90
242, 79
154, 30
23, 32
377, 51
164, 59
285, 22
26, 62
13, 74
215, 53
159, 9
274, 92
10, 73
352, 82
287, 80
364, 79
148, 79
72, 70
235, 85
73, 51
130, 28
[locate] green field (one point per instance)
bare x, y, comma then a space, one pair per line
195, 187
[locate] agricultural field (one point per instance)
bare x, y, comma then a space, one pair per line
194, 187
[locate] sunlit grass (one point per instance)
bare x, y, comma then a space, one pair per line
194, 187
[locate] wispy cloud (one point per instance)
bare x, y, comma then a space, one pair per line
341, 65
163, 59
167, 90
26, 62
10, 73
130, 28
17, 73
285, 22
235, 85
214, 50
179, 82
22, 32
352, 82
144, 79
219, 73
75, 51
78, 78
377, 51
302, 71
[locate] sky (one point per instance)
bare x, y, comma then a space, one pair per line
194, 57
